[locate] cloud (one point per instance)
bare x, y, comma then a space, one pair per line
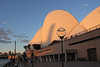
15, 35
21, 36
25, 41
5, 41
4, 22
25, 36
4, 34
9, 31
85, 5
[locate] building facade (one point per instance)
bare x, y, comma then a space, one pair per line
83, 47
81, 43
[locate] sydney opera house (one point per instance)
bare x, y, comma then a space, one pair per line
81, 42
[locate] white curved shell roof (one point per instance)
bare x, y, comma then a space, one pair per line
55, 20
59, 18
37, 38
92, 19
77, 29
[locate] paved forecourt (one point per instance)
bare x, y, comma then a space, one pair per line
58, 64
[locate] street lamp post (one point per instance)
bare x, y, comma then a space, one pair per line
32, 55
61, 32
15, 52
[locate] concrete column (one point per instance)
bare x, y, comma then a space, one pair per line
46, 58
65, 57
53, 57
49, 58
40, 58
43, 58
58, 57
75, 56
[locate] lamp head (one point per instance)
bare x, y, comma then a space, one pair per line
61, 32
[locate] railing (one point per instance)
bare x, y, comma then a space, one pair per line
6, 65
83, 32
4, 62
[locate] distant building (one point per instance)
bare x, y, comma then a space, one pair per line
82, 41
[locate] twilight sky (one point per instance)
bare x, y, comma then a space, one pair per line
21, 19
